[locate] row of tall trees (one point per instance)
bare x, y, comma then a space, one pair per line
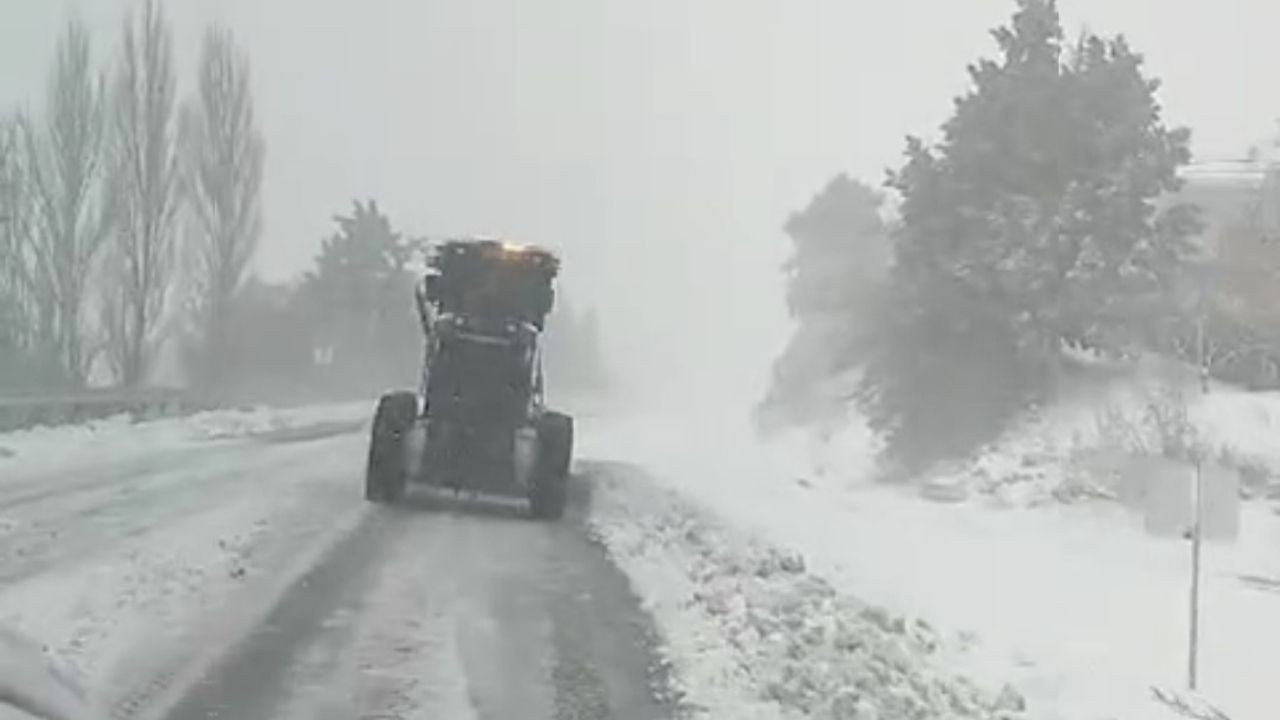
127, 218
1047, 217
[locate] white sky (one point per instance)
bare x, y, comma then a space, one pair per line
659, 143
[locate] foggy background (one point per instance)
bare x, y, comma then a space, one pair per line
660, 145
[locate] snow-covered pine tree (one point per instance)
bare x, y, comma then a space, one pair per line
1031, 223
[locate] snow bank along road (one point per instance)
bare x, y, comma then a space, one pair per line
245, 578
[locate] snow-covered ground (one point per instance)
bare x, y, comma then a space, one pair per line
1065, 450
783, 582
30, 684
129, 550
228, 564
1071, 604
752, 633
26, 452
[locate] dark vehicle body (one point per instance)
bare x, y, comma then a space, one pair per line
478, 421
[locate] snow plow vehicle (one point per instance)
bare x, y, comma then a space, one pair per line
478, 421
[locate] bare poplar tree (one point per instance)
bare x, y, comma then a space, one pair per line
29, 355
144, 190
15, 323
223, 151
63, 173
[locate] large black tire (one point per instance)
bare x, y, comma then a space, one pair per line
550, 490
385, 477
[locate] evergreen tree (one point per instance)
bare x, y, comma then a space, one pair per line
1033, 223
840, 256
361, 299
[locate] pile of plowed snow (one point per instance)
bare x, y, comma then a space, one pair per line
752, 634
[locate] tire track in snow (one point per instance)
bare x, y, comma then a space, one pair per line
397, 654
215, 685
179, 667
472, 612
149, 579
51, 485
61, 529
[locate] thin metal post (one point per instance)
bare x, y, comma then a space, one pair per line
1196, 540
1197, 525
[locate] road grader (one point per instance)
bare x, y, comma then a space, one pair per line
478, 421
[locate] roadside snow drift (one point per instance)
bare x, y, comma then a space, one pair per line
752, 634
1072, 605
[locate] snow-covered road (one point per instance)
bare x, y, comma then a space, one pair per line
226, 566
244, 577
